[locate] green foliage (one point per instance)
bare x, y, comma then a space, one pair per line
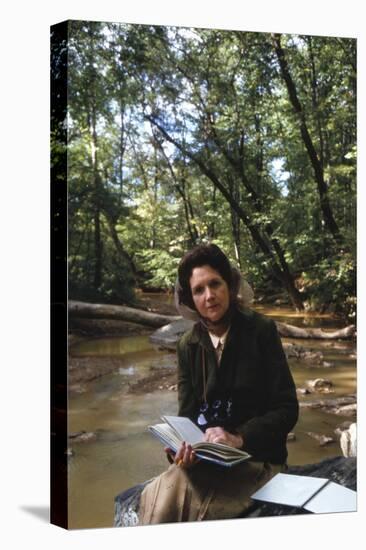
162, 265
160, 117
330, 285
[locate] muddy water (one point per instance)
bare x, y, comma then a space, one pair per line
124, 453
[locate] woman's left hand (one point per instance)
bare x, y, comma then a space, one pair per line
219, 435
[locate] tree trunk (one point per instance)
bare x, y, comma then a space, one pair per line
122, 313
97, 250
283, 276
119, 247
314, 159
235, 220
179, 184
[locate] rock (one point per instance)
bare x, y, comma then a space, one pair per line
313, 357
348, 441
321, 438
333, 405
82, 437
126, 506
292, 350
302, 391
159, 379
281, 302
343, 426
319, 385
302, 354
167, 336
339, 469
77, 388
346, 410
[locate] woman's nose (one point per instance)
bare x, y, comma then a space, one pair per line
209, 293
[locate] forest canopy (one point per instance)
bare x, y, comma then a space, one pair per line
177, 136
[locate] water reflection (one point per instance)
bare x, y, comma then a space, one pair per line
129, 371
110, 347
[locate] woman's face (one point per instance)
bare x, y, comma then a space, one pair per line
210, 293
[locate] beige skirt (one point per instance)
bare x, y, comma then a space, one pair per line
203, 492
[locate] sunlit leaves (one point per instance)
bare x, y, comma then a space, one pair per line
220, 95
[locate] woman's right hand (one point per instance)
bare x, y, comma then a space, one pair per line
185, 457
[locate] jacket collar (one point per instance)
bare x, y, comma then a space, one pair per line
242, 319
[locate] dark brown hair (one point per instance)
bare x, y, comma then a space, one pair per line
204, 254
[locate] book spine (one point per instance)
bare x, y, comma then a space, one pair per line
217, 460
58, 272
316, 493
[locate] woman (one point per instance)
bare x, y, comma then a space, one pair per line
235, 384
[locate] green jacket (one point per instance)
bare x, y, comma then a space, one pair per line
254, 371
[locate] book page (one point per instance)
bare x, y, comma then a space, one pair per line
333, 498
188, 431
289, 489
166, 435
218, 449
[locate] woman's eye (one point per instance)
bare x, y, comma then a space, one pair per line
198, 290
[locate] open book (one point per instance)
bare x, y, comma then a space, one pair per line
314, 494
177, 429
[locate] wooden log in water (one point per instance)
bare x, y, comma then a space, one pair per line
290, 331
122, 313
133, 315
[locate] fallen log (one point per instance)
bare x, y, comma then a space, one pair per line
168, 335
290, 331
123, 313
133, 315
339, 469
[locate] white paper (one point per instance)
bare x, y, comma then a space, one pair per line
333, 498
188, 431
290, 490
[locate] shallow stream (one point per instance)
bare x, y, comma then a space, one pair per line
123, 453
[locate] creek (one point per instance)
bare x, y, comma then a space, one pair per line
122, 452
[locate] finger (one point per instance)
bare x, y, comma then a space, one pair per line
193, 458
213, 435
209, 434
180, 453
170, 452
189, 459
187, 455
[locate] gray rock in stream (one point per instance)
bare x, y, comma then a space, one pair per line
168, 335
338, 469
